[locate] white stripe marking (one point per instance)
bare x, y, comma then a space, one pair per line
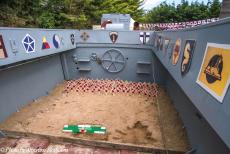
98, 132
68, 131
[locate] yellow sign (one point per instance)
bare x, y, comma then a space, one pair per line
214, 74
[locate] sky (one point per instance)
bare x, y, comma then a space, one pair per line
149, 4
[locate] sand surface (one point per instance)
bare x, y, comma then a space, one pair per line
128, 118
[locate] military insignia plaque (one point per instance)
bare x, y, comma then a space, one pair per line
113, 36
214, 75
159, 39
3, 53
72, 39
161, 43
45, 44
28, 43
144, 37
84, 36
56, 41
187, 56
166, 45
176, 52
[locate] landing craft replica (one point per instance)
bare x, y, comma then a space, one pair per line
164, 91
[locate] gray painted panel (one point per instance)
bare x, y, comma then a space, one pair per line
22, 84
217, 114
201, 136
18, 34
102, 36
97, 71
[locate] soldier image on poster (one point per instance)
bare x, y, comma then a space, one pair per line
187, 56
176, 51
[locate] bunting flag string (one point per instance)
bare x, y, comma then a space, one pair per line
177, 25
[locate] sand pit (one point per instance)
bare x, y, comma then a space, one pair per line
130, 116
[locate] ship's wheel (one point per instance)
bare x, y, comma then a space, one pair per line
113, 61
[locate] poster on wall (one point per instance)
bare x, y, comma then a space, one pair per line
176, 51
166, 45
187, 56
214, 75
3, 53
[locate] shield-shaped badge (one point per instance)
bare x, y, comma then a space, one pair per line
3, 53
113, 36
187, 56
176, 51
166, 45
144, 37
56, 41
72, 39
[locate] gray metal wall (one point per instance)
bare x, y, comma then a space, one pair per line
12, 38
202, 137
22, 84
132, 68
139, 57
217, 114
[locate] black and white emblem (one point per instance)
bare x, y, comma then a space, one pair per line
144, 37
72, 39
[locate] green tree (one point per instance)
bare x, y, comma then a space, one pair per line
162, 13
64, 13
184, 11
214, 9
19, 13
